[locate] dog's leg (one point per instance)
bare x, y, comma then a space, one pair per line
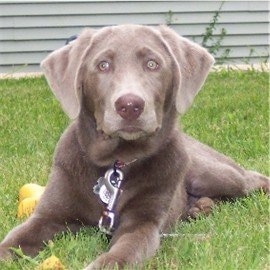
52, 215
222, 180
30, 236
140, 222
213, 176
130, 246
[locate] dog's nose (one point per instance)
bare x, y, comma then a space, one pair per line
129, 106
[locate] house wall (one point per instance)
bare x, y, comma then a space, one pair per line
29, 30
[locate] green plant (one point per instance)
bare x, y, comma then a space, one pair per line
169, 18
263, 58
213, 41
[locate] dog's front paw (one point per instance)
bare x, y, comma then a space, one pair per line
5, 254
258, 181
106, 261
266, 186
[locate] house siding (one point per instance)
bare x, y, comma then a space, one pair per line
29, 30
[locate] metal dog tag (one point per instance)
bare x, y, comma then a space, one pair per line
98, 185
101, 190
104, 194
107, 187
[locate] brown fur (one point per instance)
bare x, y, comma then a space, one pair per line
173, 176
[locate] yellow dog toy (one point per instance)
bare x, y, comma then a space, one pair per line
29, 196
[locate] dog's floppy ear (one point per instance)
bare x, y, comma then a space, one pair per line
193, 63
60, 69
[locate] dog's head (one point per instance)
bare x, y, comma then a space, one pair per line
127, 77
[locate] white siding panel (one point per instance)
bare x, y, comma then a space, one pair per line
45, 34
239, 40
153, 18
10, 69
78, 20
17, 34
231, 28
101, 8
12, 8
30, 45
31, 29
49, 45
23, 58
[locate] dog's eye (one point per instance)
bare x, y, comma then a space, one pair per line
152, 65
103, 66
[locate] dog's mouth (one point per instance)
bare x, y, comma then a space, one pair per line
130, 129
129, 133
135, 131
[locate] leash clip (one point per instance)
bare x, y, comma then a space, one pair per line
108, 188
106, 222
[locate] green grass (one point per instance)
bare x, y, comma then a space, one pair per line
231, 114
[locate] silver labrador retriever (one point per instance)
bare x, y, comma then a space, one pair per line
124, 86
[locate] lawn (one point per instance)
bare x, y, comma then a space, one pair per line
230, 114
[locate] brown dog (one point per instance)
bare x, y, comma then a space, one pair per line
124, 87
